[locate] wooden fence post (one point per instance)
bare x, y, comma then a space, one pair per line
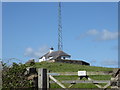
48, 80
118, 83
1, 75
42, 79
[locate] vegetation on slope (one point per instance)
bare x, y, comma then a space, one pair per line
75, 77
13, 77
64, 67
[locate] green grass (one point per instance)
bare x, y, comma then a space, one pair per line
62, 77
54, 85
75, 77
64, 67
103, 84
79, 85
84, 85
100, 77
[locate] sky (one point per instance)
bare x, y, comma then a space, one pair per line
89, 30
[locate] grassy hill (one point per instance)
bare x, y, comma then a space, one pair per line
65, 67
14, 76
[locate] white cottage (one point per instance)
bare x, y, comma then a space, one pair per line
52, 55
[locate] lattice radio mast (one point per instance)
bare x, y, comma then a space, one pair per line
60, 43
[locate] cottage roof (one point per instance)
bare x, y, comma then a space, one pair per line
55, 54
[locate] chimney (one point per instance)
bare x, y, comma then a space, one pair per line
51, 49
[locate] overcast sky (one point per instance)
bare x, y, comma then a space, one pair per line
90, 31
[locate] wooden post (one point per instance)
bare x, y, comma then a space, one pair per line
1, 75
48, 80
42, 79
35, 82
118, 83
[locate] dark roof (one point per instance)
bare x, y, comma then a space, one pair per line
55, 54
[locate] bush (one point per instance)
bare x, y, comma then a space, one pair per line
13, 76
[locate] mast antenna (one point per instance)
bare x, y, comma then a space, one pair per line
60, 43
